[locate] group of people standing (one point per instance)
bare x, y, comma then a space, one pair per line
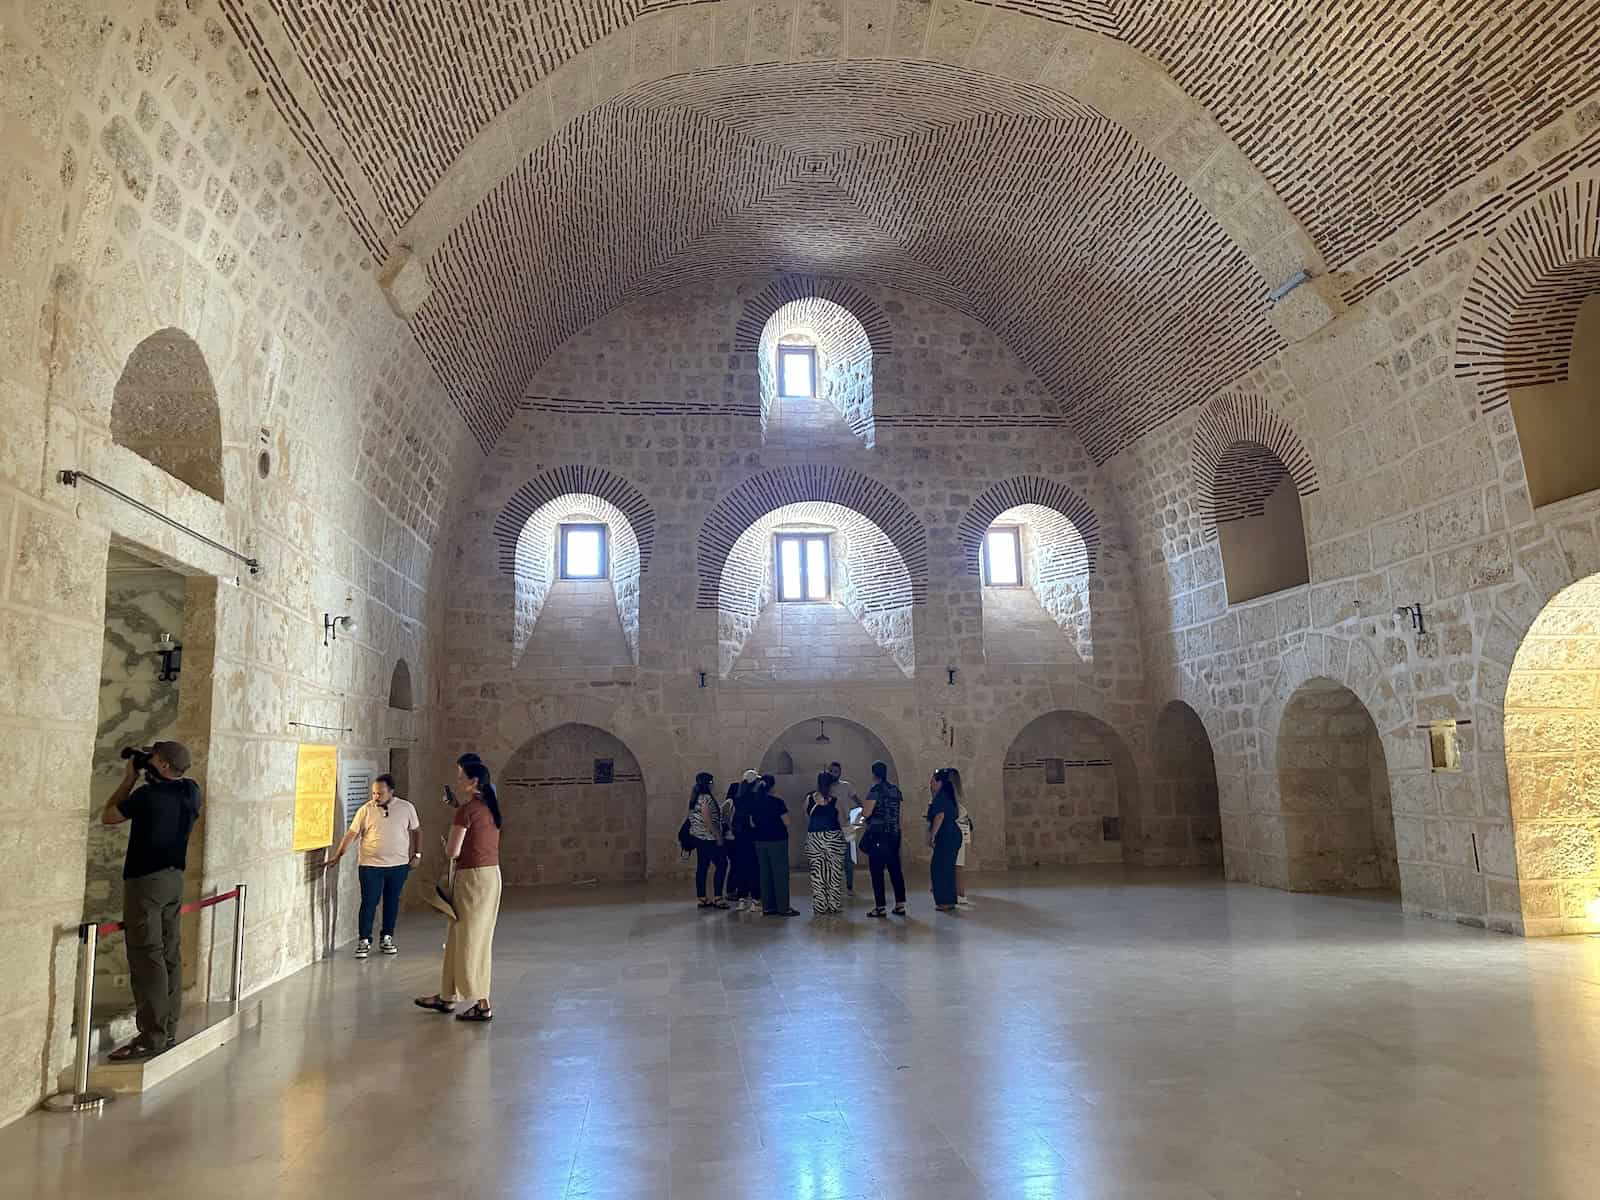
741, 842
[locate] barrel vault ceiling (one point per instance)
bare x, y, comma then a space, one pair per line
902, 150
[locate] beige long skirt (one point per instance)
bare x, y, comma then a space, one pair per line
469, 947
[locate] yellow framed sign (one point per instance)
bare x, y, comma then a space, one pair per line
316, 784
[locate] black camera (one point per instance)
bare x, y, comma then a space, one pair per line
141, 757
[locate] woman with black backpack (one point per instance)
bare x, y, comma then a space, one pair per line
705, 829
880, 839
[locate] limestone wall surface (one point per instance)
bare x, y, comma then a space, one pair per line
955, 414
150, 186
1419, 497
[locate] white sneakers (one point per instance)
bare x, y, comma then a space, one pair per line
386, 946
963, 902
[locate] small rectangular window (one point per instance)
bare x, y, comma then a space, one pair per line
802, 566
1002, 556
797, 372
583, 552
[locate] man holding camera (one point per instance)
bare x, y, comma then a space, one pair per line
163, 810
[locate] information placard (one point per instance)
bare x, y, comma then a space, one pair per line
316, 784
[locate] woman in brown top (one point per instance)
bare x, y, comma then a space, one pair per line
474, 844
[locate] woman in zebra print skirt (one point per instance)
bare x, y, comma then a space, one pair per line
825, 848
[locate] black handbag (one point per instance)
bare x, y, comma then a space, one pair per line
871, 841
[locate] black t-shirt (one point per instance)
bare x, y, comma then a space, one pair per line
824, 817
163, 814
767, 812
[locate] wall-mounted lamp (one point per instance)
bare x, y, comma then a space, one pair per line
171, 658
702, 679
331, 626
950, 672
1414, 611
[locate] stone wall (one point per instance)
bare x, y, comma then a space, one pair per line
955, 419
1414, 493
150, 187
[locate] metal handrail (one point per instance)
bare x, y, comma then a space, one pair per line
80, 1098
72, 478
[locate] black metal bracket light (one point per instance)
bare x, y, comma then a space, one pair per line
171, 653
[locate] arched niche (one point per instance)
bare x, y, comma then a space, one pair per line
400, 687
1552, 745
1181, 824
1071, 788
573, 798
835, 407
1529, 336
164, 408
1333, 783
806, 748
528, 532
1250, 471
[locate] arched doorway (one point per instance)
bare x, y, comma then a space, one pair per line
574, 806
1333, 782
165, 410
1181, 825
800, 753
1552, 742
1069, 785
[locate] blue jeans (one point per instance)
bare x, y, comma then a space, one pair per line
380, 883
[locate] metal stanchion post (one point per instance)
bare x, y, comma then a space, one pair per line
237, 995
81, 1099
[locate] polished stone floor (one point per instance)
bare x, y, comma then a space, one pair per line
1098, 1033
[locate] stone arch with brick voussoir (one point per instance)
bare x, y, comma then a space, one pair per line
644, 736
527, 532
849, 334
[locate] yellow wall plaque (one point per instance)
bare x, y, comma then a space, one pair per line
316, 783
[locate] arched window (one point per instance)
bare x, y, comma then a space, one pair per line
576, 554
577, 538
814, 591
1530, 337
815, 365
165, 410
1034, 543
1250, 471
